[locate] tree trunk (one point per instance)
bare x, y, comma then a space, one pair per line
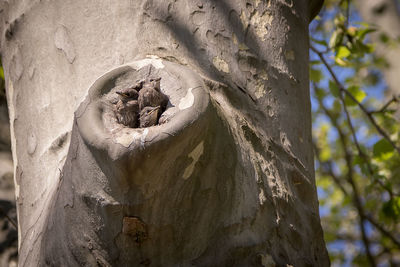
227, 180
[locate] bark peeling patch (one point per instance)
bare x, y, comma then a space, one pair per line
187, 101
261, 22
260, 89
143, 137
16, 67
289, 55
263, 75
267, 260
241, 46
32, 143
31, 70
136, 228
243, 19
63, 42
288, 3
285, 142
155, 61
127, 137
195, 155
261, 197
234, 39
198, 18
221, 64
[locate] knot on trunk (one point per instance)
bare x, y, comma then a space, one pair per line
139, 104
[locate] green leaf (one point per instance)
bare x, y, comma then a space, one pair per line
383, 150
334, 88
362, 49
357, 160
324, 182
361, 33
339, 20
1, 73
337, 106
357, 93
391, 208
319, 93
325, 154
336, 38
341, 62
316, 75
364, 24
336, 197
343, 52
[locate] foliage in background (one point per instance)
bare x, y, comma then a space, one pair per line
356, 140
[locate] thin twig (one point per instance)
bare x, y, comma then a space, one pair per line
362, 218
356, 197
347, 14
372, 120
326, 168
365, 111
385, 106
8, 218
360, 152
337, 180
382, 230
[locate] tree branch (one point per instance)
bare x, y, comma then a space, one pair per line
382, 230
384, 108
8, 218
356, 197
365, 111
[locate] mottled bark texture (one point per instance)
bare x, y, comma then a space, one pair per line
385, 15
227, 180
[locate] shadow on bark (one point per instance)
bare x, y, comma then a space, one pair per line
207, 188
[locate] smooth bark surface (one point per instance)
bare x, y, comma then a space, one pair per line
228, 180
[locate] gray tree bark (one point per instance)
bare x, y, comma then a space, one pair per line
228, 180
